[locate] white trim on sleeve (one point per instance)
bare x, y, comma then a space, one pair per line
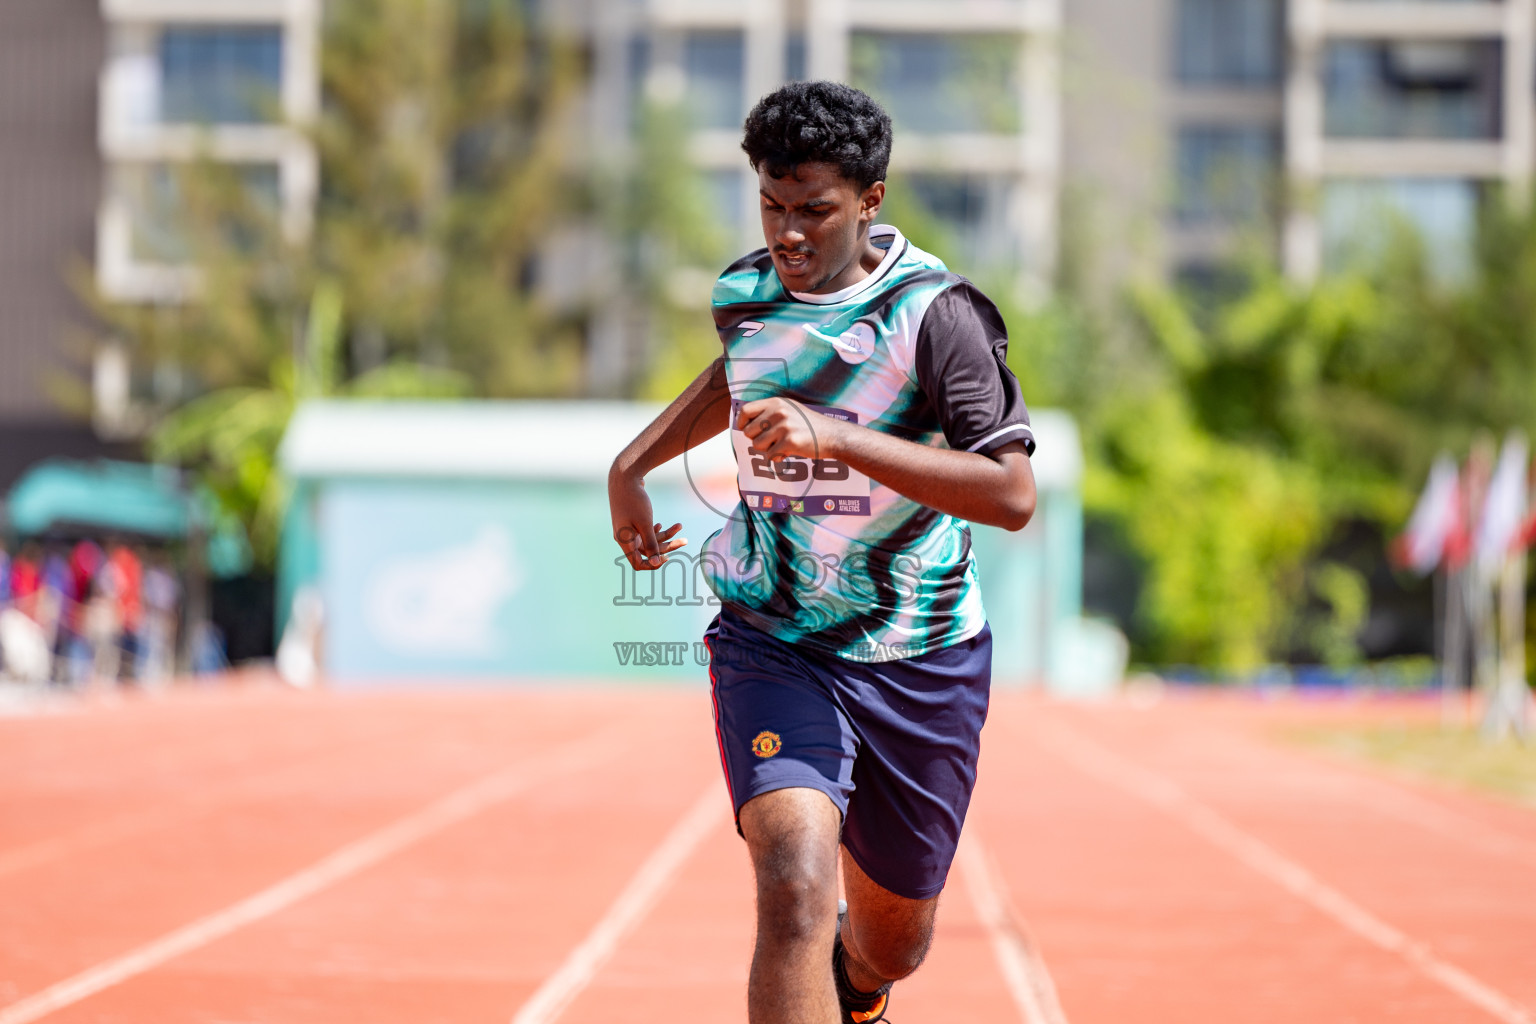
999, 433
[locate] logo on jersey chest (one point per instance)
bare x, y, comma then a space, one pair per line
854, 345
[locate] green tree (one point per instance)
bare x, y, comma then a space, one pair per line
1280, 418
442, 170
667, 223
232, 434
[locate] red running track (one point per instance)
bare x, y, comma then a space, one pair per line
256, 855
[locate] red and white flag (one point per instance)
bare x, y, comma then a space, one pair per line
1498, 528
1435, 520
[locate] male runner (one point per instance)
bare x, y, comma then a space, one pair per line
872, 415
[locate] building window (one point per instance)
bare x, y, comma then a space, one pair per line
1210, 284
795, 57
712, 65
1231, 42
1364, 219
1226, 173
637, 66
726, 191
962, 218
220, 74
1440, 89
153, 193
938, 83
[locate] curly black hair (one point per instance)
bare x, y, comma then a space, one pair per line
819, 122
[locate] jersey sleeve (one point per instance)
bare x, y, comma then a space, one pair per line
961, 365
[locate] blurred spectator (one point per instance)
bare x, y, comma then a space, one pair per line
103, 626
54, 604
207, 647
299, 655
24, 650
128, 579
157, 633
84, 615
85, 562
5, 596
26, 576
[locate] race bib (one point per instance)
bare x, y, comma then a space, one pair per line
798, 486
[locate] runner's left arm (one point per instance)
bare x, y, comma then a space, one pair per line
699, 413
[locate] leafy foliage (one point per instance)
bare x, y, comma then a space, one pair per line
443, 153
232, 434
674, 247
442, 167
1232, 441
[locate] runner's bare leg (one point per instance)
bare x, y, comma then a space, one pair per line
886, 936
792, 835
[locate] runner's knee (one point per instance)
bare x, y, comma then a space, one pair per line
893, 956
793, 841
796, 891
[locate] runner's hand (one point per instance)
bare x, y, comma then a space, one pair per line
643, 542
778, 427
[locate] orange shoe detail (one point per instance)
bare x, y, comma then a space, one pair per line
873, 1013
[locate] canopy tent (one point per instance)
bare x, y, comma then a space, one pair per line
74, 498
62, 495
68, 499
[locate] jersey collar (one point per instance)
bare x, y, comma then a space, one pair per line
898, 246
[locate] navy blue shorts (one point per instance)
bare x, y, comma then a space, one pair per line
894, 744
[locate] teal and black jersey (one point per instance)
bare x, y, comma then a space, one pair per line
816, 553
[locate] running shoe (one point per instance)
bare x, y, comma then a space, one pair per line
858, 1007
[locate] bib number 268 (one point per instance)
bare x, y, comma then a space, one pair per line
792, 469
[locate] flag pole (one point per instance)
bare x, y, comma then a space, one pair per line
1437, 623
1503, 551
1454, 648
1507, 712
1476, 589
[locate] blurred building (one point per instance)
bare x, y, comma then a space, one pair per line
99, 100
1173, 130
50, 182
1165, 137
971, 85
1414, 107
1158, 136
1196, 127
185, 80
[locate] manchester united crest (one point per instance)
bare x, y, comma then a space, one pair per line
766, 744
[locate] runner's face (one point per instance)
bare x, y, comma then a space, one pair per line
816, 223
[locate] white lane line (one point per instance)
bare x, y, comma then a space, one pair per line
346, 862
628, 910
1107, 766
1018, 956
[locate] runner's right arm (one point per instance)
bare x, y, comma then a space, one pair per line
701, 412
